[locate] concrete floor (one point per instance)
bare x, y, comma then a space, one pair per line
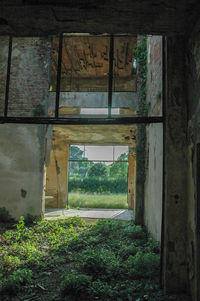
119, 214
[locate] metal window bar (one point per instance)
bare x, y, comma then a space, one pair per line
79, 121
8, 77
110, 79
93, 119
58, 76
82, 160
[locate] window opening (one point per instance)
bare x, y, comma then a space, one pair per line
98, 177
86, 72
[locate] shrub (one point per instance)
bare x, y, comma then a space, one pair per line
13, 283
126, 250
101, 263
95, 184
75, 285
134, 232
143, 265
100, 290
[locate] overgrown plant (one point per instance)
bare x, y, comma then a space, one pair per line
140, 54
74, 261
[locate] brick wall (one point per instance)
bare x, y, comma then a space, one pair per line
29, 77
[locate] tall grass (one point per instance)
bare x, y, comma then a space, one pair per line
107, 201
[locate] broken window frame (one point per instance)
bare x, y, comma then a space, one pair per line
91, 119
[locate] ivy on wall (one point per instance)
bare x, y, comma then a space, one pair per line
140, 53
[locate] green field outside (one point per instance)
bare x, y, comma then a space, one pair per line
107, 201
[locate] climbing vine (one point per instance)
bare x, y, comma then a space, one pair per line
140, 54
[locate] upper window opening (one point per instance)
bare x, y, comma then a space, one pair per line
85, 64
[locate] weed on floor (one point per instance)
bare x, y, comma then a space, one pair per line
73, 260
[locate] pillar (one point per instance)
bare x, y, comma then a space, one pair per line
57, 175
174, 238
131, 179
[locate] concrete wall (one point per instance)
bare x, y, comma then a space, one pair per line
153, 182
22, 155
22, 147
154, 140
174, 247
4, 41
193, 76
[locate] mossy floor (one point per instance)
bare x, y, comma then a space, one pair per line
70, 260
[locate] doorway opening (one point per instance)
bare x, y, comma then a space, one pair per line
98, 177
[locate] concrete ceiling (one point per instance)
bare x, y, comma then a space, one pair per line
96, 134
44, 17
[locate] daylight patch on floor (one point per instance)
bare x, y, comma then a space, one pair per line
51, 214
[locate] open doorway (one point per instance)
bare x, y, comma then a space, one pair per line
98, 177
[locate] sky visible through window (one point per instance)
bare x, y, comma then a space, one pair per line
94, 152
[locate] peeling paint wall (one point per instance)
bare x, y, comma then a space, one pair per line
154, 140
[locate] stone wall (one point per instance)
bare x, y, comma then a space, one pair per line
154, 140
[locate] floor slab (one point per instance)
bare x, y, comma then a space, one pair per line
120, 214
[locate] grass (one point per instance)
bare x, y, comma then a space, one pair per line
107, 201
74, 261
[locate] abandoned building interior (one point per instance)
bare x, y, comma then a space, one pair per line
68, 75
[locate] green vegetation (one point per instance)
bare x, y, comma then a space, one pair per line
97, 170
71, 260
140, 54
97, 185
90, 177
109, 201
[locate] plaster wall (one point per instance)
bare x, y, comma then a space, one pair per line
23, 147
22, 155
153, 182
154, 140
95, 99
